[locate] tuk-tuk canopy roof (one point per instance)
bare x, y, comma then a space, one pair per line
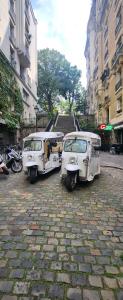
45, 135
82, 134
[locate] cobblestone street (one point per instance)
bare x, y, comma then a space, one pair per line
60, 245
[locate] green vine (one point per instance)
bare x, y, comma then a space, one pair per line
11, 102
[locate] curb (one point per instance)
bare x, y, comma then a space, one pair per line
112, 166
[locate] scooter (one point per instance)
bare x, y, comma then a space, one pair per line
14, 160
3, 168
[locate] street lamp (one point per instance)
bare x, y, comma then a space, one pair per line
36, 113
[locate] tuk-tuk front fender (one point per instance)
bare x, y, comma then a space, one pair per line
31, 164
72, 168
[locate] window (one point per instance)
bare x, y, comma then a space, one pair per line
107, 115
12, 5
12, 57
25, 96
106, 52
119, 104
32, 145
118, 21
119, 44
118, 80
22, 75
11, 30
105, 31
75, 145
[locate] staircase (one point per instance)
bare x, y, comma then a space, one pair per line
65, 124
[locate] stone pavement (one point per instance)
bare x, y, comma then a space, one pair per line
60, 245
108, 159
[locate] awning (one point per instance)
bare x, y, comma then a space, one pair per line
118, 127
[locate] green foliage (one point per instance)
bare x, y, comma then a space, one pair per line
69, 85
87, 123
55, 77
11, 102
81, 100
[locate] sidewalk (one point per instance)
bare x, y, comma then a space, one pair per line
112, 161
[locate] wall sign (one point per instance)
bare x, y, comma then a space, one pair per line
107, 127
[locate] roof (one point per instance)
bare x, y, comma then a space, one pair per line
45, 135
83, 134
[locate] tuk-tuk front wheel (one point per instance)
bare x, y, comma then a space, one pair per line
32, 175
70, 181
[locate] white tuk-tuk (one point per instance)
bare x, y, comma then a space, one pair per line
80, 158
41, 153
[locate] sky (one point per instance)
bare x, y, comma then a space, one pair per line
62, 26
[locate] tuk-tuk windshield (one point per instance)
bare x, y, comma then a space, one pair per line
75, 145
32, 145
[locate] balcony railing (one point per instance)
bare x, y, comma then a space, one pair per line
28, 37
118, 27
105, 74
118, 53
116, 3
13, 62
118, 85
12, 39
29, 81
27, 15
23, 77
106, 55
104, 6
12, 14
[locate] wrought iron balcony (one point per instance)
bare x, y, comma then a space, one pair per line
13, 63
118, 85
28, 37
118, 27
23, 77
27, 15
12, 39
118, 55
105, 74
104, 7
12, 14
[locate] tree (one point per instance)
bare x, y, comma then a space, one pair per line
51, 64
69, 87
81, 100
56, 77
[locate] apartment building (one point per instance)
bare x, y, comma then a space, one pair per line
18, 42
104, 57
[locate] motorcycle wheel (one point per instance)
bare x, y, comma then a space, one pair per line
70, 182
33, 175
16, 166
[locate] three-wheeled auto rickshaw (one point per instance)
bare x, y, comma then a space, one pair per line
41, 153
80, 158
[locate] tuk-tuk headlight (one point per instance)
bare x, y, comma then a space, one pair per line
29, 157
72, 160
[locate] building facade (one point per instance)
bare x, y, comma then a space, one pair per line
18, 42
104, 57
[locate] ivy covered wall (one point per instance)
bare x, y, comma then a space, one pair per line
11, 102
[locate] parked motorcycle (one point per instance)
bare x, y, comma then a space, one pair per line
3, 168
14, 160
